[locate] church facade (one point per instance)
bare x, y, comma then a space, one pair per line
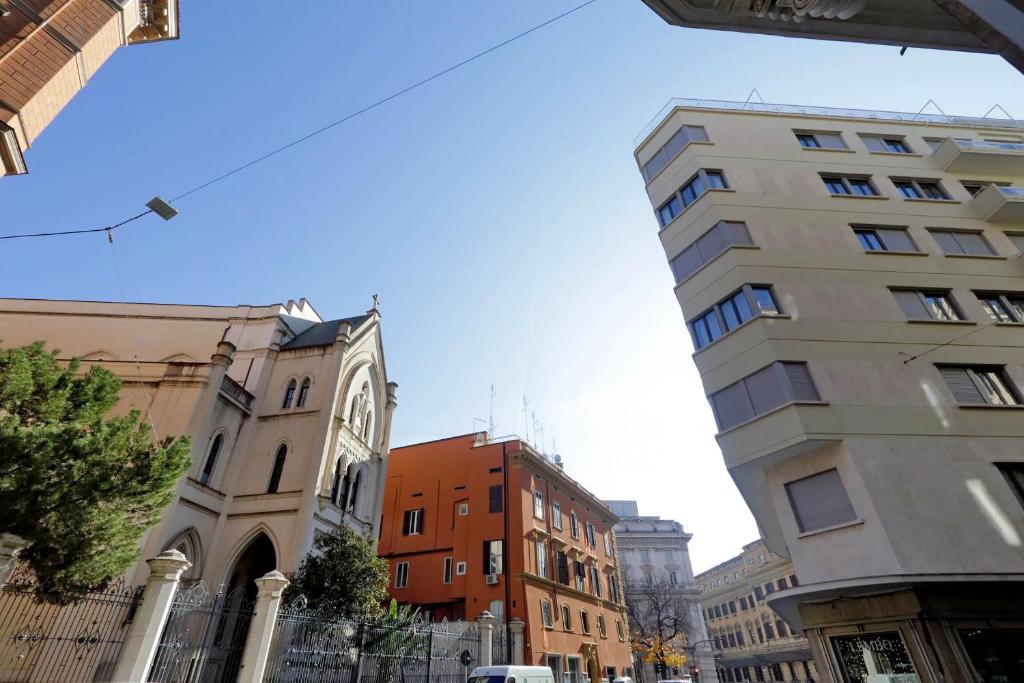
289, 415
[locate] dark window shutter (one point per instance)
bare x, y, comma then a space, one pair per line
896, 240
801, 385
962, 386
820, 501
973, 243
911, 304
487, 557
419, 521
947, 241
495, 502
874, 144
736, 232
712, 243
686, 264
405, 522
731, 406
765, 389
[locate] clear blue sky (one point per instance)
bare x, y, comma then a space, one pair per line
497, 211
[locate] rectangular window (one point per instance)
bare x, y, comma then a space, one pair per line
933, 143
780, 627
447, 576
879, 238
722, 236
696, 186
591, 535
1003, 307
758, 592
585, 621
607, 544
1018, 240
979, 385
820, 140
768, 388
684, 136
769, 588
781, 583
538, 504
460, 569
743, 603
542, 560
556, 515
574, 525
581, 576
412, 523
819, 502
769, 632
890, 144
974, 187
732, 639
495, 499
731, 312
915, 188
493, 560
567, 621
962, 242
1013, 472
718, 612
732, 607
563, 567
850, 185
401, 575
927, 304
645, 555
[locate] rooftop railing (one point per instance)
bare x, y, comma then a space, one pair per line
823, 112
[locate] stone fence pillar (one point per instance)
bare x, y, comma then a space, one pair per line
516, 630
486, 622
144, 634
261, 630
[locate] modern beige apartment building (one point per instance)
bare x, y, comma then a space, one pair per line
853, 284
49, 49
752, 642
971, 25
289, 414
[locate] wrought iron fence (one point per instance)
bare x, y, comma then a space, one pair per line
500, 645
203, 639
77, 642
309, 647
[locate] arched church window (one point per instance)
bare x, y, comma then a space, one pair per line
211, 459
354, 496
275, 474
289, 395
304, 392
336, 482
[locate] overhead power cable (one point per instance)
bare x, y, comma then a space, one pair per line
318, 131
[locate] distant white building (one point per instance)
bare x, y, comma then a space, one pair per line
660, 546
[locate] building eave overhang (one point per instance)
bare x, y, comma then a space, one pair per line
787, 602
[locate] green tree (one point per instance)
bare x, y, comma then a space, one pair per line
78, 488
342, 576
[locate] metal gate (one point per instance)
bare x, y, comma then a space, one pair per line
74, 643
204, 637
311, 648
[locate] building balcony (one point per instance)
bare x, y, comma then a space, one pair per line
980, 156
1000, 204
237, 394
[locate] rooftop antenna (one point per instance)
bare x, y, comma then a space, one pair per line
526, 423
491, 427
752, 93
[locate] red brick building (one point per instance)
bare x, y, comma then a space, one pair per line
49, 49
471, 524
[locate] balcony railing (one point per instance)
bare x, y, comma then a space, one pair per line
823, 112
1012, 192
234, 390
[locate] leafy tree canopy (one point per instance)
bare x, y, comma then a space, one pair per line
79, 489
343, 577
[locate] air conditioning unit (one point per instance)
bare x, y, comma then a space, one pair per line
492, 579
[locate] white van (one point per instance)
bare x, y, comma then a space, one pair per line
511, 674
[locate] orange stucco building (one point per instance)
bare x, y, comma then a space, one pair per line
473, 524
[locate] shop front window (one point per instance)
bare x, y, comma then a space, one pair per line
995, 653
874, 658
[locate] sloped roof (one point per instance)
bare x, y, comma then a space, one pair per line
322, 334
